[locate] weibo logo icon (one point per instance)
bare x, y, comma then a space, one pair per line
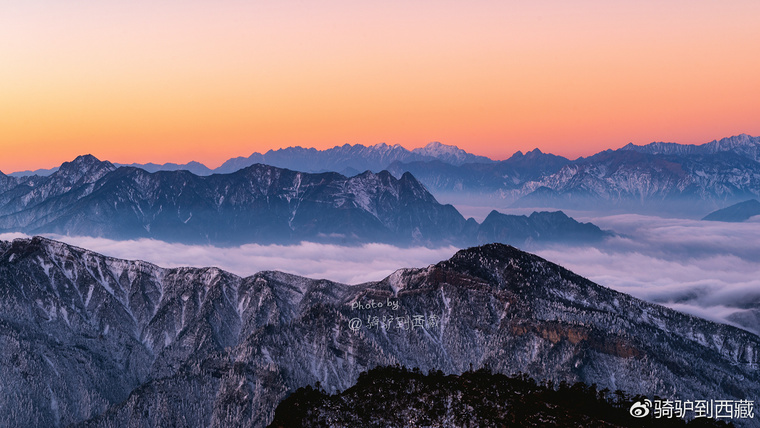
640, 409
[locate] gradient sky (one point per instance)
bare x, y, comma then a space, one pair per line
170, 80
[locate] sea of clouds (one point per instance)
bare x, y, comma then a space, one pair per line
708, 269
350, 265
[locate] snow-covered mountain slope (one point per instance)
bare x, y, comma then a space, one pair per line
75, 177
96, 341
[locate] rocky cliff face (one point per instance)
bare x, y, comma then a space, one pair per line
98, 341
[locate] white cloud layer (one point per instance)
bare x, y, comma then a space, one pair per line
351, 265
708, 269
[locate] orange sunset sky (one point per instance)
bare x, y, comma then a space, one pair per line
174, 81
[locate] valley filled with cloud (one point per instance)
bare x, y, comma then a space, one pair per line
708, 269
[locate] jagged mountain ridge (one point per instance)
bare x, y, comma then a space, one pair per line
659, 178
347, 157
72, 179
743, 144
256, 204
113, 342
449, 154
260, 203
636, 181
196, 168
538, 227
502, 176
352, 157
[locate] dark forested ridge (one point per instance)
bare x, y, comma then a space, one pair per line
397, 397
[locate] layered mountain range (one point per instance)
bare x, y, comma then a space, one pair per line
260, 203
632, 181
350, 159
503, 177
744, 145
657, 178
347, 159
95, 341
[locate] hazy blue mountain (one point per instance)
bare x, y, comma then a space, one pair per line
260, 203
196, 168
356, 157
352, 159
101, 342
657, 178
743, 144
737, 212
257, 204
450, 154
538, 227
629, 180
508, 175
41, 172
